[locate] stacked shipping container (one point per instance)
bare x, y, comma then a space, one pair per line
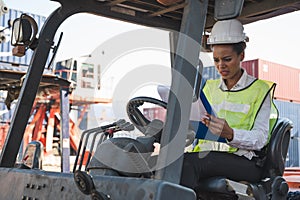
287, 78
287, 95
291, 111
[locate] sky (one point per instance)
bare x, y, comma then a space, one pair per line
274, 39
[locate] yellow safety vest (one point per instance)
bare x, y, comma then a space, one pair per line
239, 108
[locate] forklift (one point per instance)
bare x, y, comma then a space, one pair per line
126, 170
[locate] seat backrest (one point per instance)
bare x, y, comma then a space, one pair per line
277, 148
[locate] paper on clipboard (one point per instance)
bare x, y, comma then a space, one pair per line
198, 110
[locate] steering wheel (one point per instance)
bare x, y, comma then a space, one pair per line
135, 115
140, 121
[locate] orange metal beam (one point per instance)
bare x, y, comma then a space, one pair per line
292, 177
39, 117
3, 133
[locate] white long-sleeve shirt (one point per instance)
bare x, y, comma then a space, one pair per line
255, 139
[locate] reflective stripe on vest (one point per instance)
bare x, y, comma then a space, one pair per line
239, 108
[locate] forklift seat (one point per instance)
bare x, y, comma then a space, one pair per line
271, 185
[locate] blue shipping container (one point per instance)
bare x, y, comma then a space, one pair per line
291, 111
210, 73
6, 47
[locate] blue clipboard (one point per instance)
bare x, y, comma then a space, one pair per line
202, 132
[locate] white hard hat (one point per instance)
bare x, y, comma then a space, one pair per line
227, 32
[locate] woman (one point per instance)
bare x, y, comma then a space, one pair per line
243, 105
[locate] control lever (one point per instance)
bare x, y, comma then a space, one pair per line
86, 135
125, 126
121, 125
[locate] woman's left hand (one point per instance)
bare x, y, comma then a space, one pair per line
218, 126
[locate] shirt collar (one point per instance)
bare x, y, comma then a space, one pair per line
242, 82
